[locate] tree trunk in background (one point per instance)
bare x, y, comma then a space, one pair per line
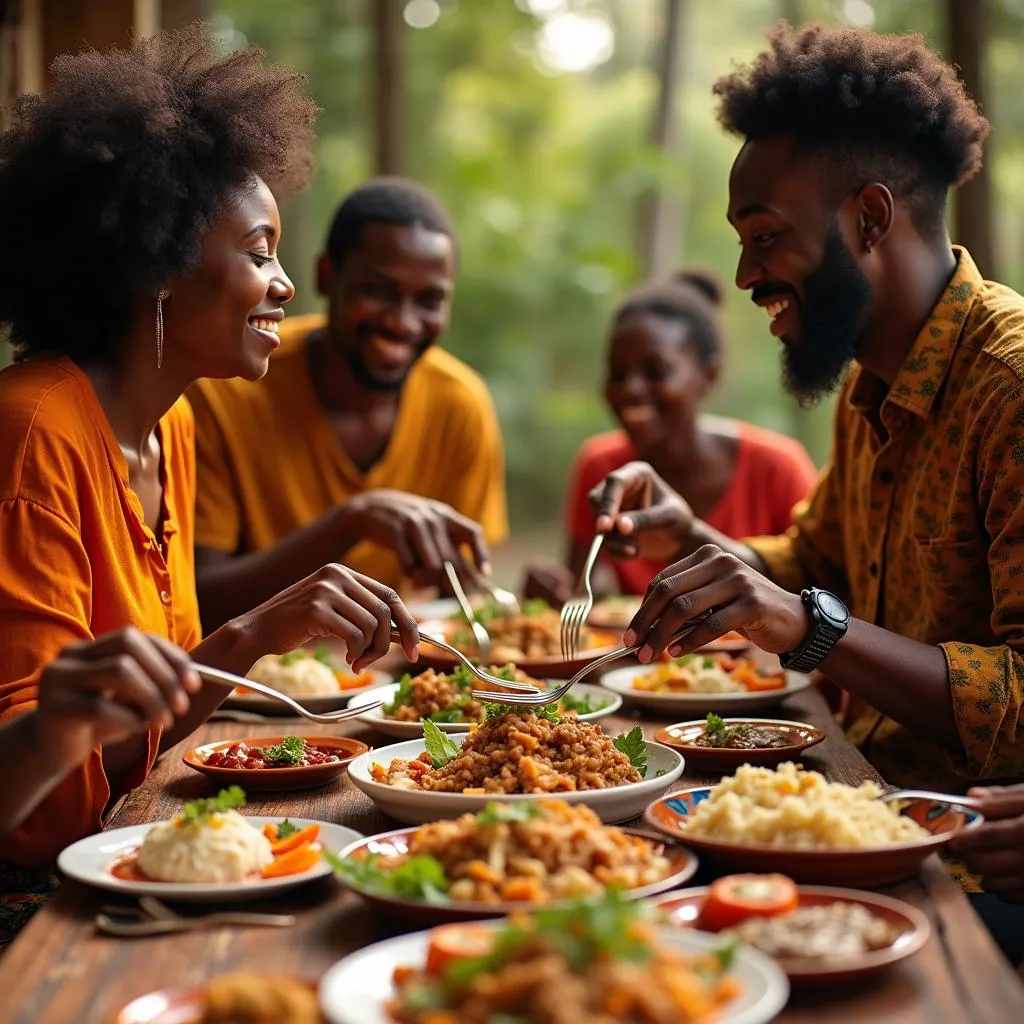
660, 233
389, 92
967, 34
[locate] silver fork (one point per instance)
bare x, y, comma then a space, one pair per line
483, 639
579, 606
478, 672
506, 601
218, 675
542, 697
970, 802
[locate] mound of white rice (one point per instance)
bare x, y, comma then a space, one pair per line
297, 677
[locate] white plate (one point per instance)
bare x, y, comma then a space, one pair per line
355, 990
620, 681
89, 861
326, 702
377, 719
439, 608
418, 806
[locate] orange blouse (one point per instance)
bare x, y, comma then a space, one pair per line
77, 560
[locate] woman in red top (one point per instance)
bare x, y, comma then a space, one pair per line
664, 359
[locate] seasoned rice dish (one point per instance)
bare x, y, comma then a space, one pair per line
793, 808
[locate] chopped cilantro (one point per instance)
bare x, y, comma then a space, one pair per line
440, 746
633, 745
714, 724
286, 829
420, 877
462, 677
548, 711
225, 800
495, 813
288, 751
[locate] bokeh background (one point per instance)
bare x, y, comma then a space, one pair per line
576, 145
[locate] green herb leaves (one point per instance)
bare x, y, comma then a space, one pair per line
495, 813
633, 745
286, 828
225, 800
440, 746
548, 711
418, 878
288, 751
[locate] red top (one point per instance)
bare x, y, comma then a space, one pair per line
772, 473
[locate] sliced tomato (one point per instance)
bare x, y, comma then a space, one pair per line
453, 942
736, 897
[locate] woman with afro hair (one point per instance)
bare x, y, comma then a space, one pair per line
141, 200
664, 358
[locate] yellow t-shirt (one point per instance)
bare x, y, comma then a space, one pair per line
269, 462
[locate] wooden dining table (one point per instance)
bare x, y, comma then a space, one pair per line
61, 970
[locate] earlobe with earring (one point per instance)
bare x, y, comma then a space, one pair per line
160, 296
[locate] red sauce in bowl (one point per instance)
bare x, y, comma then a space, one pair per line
241, 755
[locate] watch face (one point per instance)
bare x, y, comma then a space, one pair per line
832, 607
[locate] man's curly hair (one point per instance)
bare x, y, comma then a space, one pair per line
111, 182
876, 107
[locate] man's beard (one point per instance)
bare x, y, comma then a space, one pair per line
836, 297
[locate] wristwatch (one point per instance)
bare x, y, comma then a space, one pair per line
829, 622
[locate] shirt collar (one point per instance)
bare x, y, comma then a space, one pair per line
924, 369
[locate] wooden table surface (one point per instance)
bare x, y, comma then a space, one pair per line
61, 971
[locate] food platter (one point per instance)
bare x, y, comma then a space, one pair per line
798, 737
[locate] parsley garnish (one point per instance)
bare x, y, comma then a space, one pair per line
495, 813
286, 829
633, 745
293, 656
548, 711
582, 705
403, 695
440, 746
449, 714
288, 751
714, 724
420, 877
225, 800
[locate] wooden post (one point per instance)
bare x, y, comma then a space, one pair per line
661, 219
389, 85
967, 34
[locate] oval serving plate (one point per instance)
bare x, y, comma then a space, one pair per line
318, 704
620, 681
912, 928
356, 990
682, 737
403, 730
90, 860
391, 844
418, 806
278, 780
871, 867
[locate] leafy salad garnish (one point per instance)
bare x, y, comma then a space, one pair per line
582, 705
225, 800
633, 745
440, 746
288, 751
420, 877
495, 813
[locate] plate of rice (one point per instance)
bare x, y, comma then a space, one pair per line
316, 679
445, 699
796, 822
517, 756
509, 857
701, 682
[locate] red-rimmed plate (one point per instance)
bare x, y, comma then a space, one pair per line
683, 865
278, 780
910, 926
873, 866
683, 736
552, 667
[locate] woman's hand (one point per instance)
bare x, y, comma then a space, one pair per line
101, 692
423, 533
995, 849
640, 513
737, 595
333, 602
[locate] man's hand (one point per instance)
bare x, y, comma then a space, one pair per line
423, 533
737, 595
640, 513
995, 849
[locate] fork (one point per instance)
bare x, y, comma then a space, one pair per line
218, 675
486, 677
539, 698
170, 922
507, 602
483, 639
579, 606
970, 802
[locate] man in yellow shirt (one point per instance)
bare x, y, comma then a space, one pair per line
365, 442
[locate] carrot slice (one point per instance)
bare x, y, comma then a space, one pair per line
296, 839
294, 862
349, 682
736, 897
453, 942
270, 831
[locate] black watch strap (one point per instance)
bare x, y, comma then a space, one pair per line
829, 622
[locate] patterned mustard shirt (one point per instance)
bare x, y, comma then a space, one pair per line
918, 524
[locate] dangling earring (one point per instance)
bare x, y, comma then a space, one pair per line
160, 296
